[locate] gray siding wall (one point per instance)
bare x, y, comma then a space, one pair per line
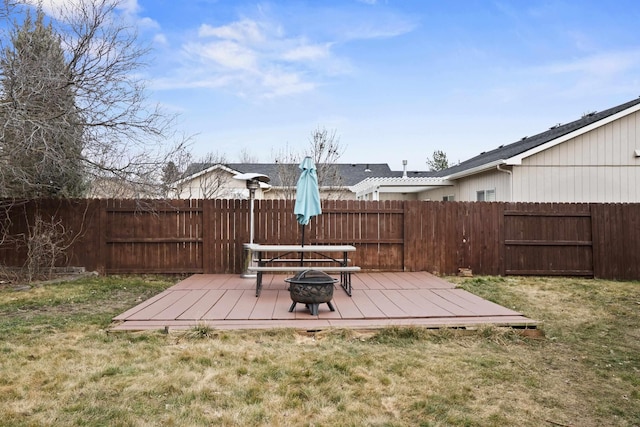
438, 194
599, 166
495, 180
466, 188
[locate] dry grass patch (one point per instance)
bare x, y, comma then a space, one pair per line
72, 372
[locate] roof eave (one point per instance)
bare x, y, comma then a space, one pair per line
204, 172
482, 168
517, 160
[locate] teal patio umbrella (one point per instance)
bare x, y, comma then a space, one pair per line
307, 195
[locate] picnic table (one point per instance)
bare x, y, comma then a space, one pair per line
327, 258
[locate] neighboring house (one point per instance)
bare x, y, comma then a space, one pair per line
593, 159
216, 180
116, 188
209, 181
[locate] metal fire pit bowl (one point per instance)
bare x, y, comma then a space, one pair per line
311, 287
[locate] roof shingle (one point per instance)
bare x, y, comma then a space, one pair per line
528, 143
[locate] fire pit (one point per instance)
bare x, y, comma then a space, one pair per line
311, 287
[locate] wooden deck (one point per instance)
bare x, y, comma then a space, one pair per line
225, 301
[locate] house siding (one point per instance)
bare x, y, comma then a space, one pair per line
398, 196
217, 185
466, 188
598, 166
498, 181
438, 194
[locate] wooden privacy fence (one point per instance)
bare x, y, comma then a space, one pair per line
207, 236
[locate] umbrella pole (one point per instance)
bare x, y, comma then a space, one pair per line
302, 253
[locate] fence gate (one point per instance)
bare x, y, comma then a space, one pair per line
539, 242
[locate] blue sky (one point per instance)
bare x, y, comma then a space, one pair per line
396, 79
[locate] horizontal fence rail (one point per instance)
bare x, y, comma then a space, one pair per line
207, 236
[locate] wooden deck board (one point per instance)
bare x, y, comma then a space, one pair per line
127, 314
228, 301
224, 305
406, 302
366, 306
244, 306
281, 311
345, 305
201, 307
386, 306
428, 301
443, 303
176, 309
480, 307
151, 311
401, 281
264, 310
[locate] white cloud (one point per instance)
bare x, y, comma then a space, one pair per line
283, 83
253, 59
225, 53
246, 31
263, 57
148, 24
160, 39
52, 7
307, 52
366, 31
130, 7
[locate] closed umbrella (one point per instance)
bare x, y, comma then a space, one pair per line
307, 195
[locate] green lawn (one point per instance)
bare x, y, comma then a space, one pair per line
61, 366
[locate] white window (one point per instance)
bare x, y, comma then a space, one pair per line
449, 198
486, 195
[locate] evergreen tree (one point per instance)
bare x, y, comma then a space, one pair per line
438, 162
170, 174
41, 136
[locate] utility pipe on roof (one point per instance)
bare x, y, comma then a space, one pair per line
510, 181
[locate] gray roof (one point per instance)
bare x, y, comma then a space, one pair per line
527, 143
349, 173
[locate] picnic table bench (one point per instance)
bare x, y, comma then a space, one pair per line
267, 255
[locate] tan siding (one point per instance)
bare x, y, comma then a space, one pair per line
437, 194
598, 166
398, 196
500, 181
579, 184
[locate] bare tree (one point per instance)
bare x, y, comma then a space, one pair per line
325, 149
72, 90
125, 140
287, 171
246, 157
6, 7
